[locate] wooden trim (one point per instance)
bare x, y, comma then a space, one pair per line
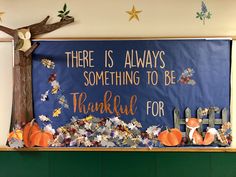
135, 38
128, 38
6, 39
138, 38
92, 149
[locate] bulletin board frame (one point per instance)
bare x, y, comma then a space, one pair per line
139, 149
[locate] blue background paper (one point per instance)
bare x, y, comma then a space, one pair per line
210, 60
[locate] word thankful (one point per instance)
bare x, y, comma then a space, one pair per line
110, 104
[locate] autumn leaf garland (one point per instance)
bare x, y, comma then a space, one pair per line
55, 88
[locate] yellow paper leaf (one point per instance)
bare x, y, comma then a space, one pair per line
56, 112
88, 118
55, 90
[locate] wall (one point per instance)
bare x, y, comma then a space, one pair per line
106, 18
120, 164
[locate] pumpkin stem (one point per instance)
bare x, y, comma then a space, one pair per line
167, 128
32, 122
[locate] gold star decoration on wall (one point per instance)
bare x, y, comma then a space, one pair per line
1, 13
134, 14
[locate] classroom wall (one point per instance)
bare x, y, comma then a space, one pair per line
108, 18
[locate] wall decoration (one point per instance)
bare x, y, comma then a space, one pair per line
22, 108
134, 14
131, 93
204, 14
64, 13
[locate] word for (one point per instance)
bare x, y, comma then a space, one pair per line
155, 108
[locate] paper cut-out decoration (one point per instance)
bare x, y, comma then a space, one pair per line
15, 139
55, 87
64, 13
210, 136
41, 138
44, 96
24, 42
29, 129
105, 132
170, 137
48, 63
205, 111
224, 135
186, 77
62, 101
56, 112
17, 134
15, 143
48, 128
204, 13
134, 14
44, 118
193, 124
52, 77
22, 77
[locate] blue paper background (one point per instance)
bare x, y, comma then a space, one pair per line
210, 60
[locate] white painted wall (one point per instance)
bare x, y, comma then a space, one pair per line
6, 56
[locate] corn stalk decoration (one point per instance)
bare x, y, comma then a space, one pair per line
22, 105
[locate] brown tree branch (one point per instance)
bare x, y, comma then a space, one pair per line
7, 30
50, 27
36, 25
31, 49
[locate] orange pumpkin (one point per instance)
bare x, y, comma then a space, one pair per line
41, 138
17, 134
170, 137
29, 129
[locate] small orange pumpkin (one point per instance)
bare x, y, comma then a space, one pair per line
41, 138
170, 137
17, 134
29, 129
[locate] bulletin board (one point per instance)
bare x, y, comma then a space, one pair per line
133, 94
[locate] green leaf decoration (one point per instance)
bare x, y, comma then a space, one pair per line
64, 7
67, 12
64, 13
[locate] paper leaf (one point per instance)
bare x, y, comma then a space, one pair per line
56, 112
15, 143
48, 63
55, 90
52, 77
44, 118
62, 101
44, 96
48, 128
107, 143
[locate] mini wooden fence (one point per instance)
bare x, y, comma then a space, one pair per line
209, 120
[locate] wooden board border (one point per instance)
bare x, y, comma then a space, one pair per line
94, 149
128, 38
